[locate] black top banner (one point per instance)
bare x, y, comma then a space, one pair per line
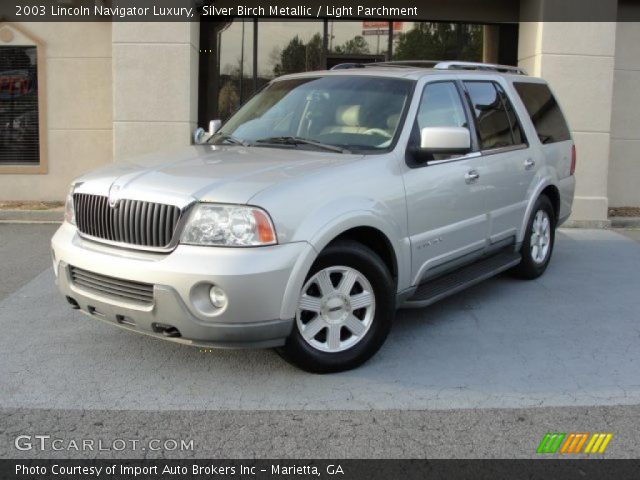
475, 11
319, 469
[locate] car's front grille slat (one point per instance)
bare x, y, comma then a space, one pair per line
134, 222
104, 219
96, 219
137, 223
112, 287
154, 224
112, 282
161, 219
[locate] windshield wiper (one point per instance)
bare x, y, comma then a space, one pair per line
302, 141
229, 138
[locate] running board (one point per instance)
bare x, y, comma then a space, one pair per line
456, 281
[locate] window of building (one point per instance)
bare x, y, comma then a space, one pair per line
19, 110
544, 111
492, 112
235, 66
437, 41
357, 42
289, 47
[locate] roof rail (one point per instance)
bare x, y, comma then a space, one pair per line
345, 66
405, 63
453, 65
438, 65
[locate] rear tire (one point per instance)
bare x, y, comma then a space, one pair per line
539, 240
345, 310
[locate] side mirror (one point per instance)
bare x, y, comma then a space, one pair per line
444, 141
201, 136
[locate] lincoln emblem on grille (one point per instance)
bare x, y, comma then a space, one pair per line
114, 195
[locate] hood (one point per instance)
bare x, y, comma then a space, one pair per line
226, 174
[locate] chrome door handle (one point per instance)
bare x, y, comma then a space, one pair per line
529, 163
471, 176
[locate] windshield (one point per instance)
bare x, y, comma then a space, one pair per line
348, 112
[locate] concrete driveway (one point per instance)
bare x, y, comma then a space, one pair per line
507, 355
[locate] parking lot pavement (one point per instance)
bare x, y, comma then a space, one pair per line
19, 267
568, 339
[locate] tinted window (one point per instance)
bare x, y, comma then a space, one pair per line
544, 112
518, 135
495, 119
440, 106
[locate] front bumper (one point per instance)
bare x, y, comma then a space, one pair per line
255, 280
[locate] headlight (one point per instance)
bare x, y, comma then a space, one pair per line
228, 226
69, 209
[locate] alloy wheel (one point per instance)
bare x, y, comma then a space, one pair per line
540, 237
336, 309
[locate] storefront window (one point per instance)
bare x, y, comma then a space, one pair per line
235, 47
357, 42
19, 139
239, 57
438, 41
289, 47
358, 38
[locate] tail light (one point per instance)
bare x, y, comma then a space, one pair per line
573, 160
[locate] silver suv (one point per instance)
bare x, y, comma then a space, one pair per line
328, 201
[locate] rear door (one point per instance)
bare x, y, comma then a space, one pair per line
445, 197
509, 162
553, 135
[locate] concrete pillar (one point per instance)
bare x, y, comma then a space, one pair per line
577, 59
490, 43
155, 85
624, 167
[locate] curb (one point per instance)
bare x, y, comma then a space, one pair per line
625, 222
31, 216
596, 224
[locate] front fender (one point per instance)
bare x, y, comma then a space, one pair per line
324, 226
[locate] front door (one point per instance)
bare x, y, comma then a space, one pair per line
445, 197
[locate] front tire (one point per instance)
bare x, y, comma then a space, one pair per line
345, 310
539, 240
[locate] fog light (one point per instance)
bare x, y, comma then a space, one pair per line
218, 297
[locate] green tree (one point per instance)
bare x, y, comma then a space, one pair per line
300, 57
440, 41
356, 46
314, 57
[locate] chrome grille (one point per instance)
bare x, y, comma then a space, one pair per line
112, 287
134, 222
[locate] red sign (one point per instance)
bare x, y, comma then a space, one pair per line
397, 26
14, 83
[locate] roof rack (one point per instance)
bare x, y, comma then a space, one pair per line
438, 65
452, 65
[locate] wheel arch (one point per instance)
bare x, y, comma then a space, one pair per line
368, 230
548, 189
553, 194
377, 241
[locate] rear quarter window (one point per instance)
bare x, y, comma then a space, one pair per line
544, 111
